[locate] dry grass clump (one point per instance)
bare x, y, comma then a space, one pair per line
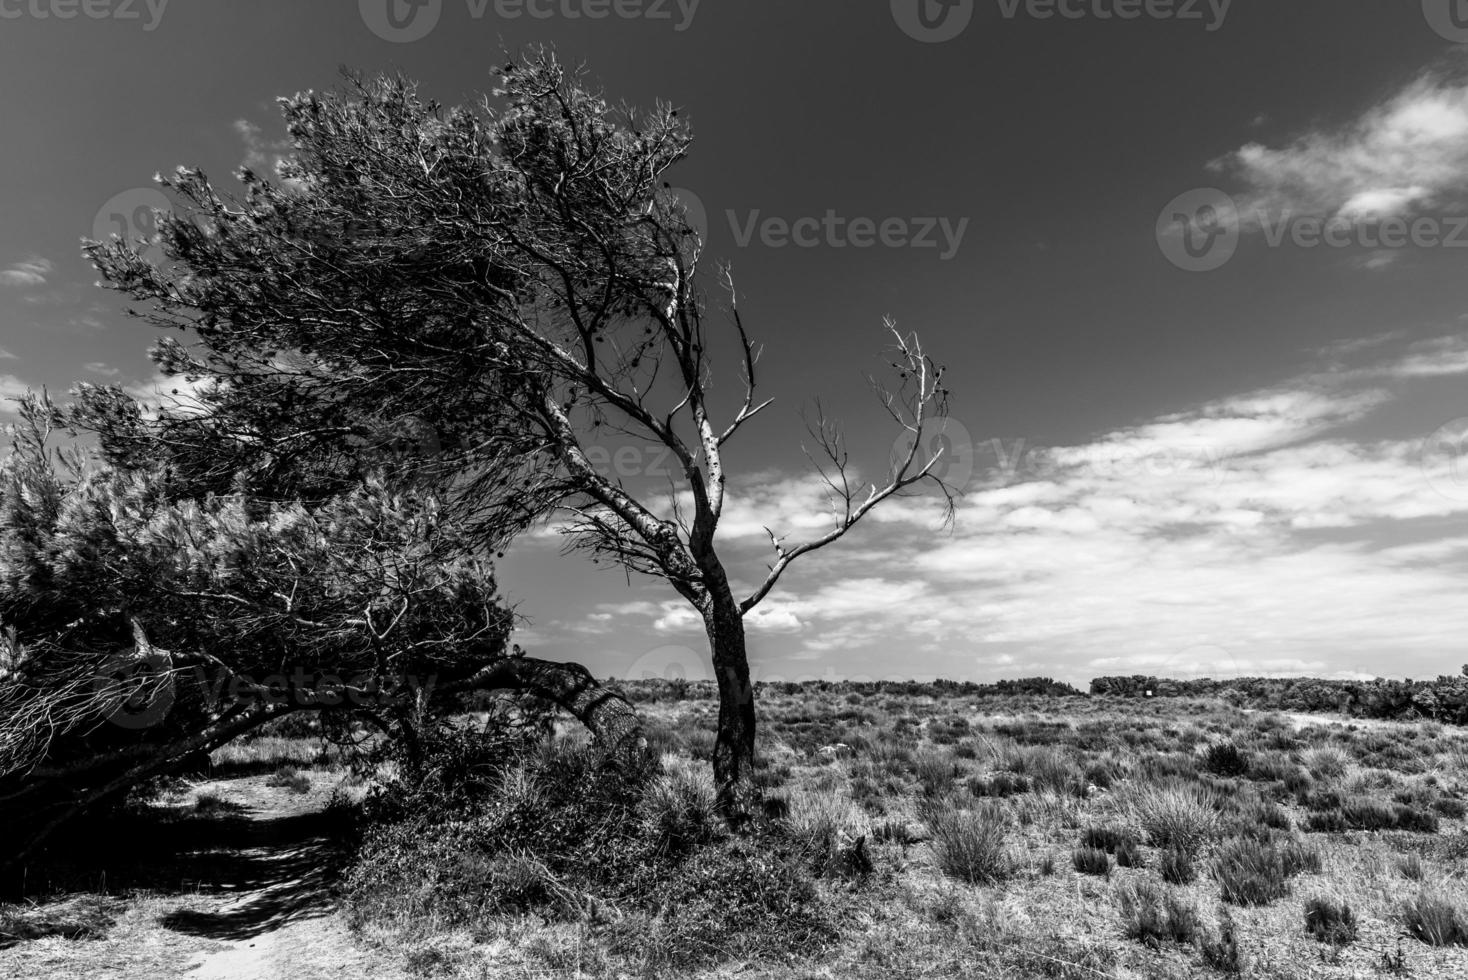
970, 845
1153, 915
1436, 919
1178, 815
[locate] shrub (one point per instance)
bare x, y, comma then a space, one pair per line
679, 809
1106, 839
1091, 861
1177, 867
970, 845
1150, 917
1250, 872
1222, 952
1297, 857
1001, 785
1331, 922
1049, 768
1453, 809
935, 772
1225, 759
287, 777
1409, 866
1328, 762
1129, 855
1176, 815
1434, 919
735, 900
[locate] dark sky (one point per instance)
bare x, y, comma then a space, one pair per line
1211, 471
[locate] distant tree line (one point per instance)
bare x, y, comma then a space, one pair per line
679, 689
1444, 699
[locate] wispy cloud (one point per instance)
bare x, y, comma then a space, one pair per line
5, 355
1406, 153
99, 367
1264, 532
31, 272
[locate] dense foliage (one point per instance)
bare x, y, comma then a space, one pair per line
142, 627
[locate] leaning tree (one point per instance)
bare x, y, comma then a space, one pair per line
499, 283
142, 628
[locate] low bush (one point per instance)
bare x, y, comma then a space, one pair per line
1091, 861
1225, 759
502, 825
1254, 872
1106, 839
999, 785
1435, 919
1222, 952
1177, 815
288, 777
1152, 917
970, 845
1330, 921
1177, 867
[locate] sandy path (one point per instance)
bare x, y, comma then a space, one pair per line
260, 908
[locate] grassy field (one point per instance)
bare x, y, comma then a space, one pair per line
1069, 838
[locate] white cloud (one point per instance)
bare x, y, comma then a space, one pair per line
12, 387
1407, 153
102, 368
32, 272
5, 355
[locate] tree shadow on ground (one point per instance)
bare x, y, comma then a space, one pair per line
246, 869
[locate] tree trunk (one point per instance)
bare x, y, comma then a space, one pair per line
734, 748
610, 717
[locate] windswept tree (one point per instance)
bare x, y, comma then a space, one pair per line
499, 283
141, 630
